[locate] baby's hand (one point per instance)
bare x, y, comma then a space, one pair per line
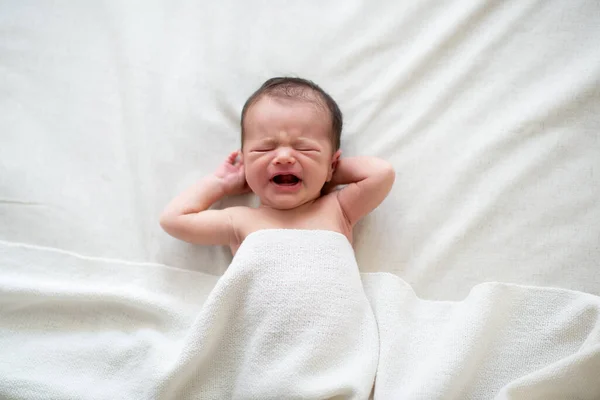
231, 174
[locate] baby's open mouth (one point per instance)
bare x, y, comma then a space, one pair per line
286, 179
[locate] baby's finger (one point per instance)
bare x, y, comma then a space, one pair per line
231, 158
238, 158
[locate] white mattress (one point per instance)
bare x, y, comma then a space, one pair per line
490, 112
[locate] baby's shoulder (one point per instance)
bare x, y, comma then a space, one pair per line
240, 211
242, 216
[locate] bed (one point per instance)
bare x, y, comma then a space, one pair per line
488, 110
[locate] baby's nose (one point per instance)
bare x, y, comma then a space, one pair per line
284, 156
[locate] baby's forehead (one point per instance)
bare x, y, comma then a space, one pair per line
306, 103
296, 117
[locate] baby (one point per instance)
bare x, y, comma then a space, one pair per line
291, 159
289, 318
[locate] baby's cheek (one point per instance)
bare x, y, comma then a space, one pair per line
250, 176
254, 177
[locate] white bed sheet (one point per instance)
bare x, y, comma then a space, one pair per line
291, 318
489, 111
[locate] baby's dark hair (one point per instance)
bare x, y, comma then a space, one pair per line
298, 88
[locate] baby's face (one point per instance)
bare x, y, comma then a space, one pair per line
287, 151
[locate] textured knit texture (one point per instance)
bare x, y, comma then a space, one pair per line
290, 319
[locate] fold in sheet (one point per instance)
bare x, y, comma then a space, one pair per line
291, 318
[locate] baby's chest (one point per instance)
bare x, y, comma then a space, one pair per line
322, 215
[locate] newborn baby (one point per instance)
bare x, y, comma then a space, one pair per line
291, 159
289, 318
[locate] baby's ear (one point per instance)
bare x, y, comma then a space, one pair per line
335, 158
334, 162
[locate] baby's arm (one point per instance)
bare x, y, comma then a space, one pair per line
368, 180
188, 218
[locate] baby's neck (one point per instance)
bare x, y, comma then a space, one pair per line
298, 209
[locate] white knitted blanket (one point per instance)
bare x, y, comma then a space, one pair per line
289, 319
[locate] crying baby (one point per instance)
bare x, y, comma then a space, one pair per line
291, 159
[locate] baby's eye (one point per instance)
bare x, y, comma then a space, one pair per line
261, 150
306, 149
